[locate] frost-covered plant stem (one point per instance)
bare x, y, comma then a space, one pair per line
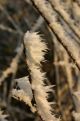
60, 10
49, 15
35, 50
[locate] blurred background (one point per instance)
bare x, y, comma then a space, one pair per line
17, 17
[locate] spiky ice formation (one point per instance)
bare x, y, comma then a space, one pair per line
35, 51
34, 47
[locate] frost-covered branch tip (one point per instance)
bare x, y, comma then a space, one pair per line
34, 47
35, 51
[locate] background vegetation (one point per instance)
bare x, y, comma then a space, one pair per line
62, 65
